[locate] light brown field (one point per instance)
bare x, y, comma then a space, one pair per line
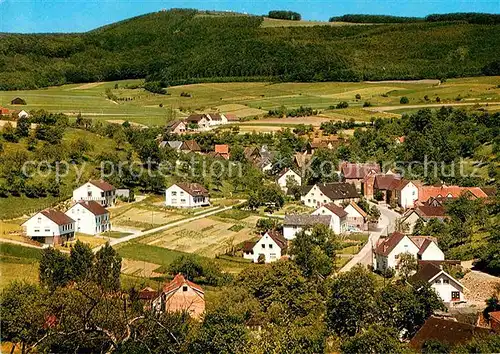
139, 268
207, 237
315, 121
87, 86
121, 121
141, 218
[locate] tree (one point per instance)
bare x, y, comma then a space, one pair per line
435, 347
189, 266
81, 260
23, 126
22, 310
220, 332
9, 133
54, 269
376, 339
358, 96
107, 268
404, 100
378, 195
407, 264
374, 214
419, 226
350, 294
314, 251
342, 104
267, 224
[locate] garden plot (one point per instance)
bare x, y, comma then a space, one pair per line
206, 237
141, 219
140, 268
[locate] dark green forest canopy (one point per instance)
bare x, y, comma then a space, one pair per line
184, 46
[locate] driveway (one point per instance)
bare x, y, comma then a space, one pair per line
386, 225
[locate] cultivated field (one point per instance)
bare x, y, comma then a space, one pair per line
249, 99
206, 237
142, 218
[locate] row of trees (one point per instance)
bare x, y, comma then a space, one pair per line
284, 15
469, 17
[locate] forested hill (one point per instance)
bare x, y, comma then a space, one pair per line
181, 46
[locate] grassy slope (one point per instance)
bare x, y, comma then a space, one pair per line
236, 97
18, 263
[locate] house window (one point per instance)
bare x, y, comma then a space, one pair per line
263, 246
89, 193
185, 288
446, 281
39, 220
455, 295
437, 281
47, 229
174, 201
270, 245
37, 230
183, 201
174, 193
182, 193
272, 255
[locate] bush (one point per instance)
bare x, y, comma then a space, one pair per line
358, 96
284, 15
342, 104
367, 104
155, 87
404, 100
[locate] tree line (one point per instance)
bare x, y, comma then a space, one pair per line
468, 17
284, 15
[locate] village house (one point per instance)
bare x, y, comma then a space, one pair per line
217, 119
96, 190
325, 193
338, 222
222, 150
387, 252
172, 144
356, 172
4, 112
448, 288
449, 192
272, 245
18, 101
356, 217
90, 217
386, 185
323, 143
181, 295
449, 332
50, 226
197, 121
176, 127
295, 223
186, 195
288, 175
407, 193
423, 213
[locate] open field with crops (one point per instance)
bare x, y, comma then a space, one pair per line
248, 99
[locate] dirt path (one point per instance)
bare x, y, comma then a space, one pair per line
87, 86
426, 81
430, 105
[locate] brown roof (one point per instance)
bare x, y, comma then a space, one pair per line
179, 281
358, 170
190, 145
174, 124
420, 240
427, 211
94, 207
215, 116
251, 152
302, 160
387, 182
248, 246
358, 209
341, 213
495, 315
446, 331
57, 216
222, 148
103, 185
194, 189
387, 245
148, 294
195, 118
278, 238
426, 272
439, 263
231, 117
338, 190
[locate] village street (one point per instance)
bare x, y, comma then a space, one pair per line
385, 226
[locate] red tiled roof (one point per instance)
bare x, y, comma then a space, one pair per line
446, 331
94, 207
387, 245
103, 185
358, 170
179, 281
194, 189
248, 246
231, 117
495, 315
215, 116
57, 216
341, 213
424, 246
420, 240
426, 192
4, 110
222, 148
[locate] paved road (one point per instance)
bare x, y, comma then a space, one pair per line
385, 226
116, 241
429, 105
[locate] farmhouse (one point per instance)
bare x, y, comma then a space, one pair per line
288, 176
97, 190
50, 226
4, 111
407, 193
181, 295
222, 150
356, 217
339, 217
446, 331
324, 193
173, 144
271, 246
186, 195
448, 288
90, 217
356, 172
296, 223
423, 213
217, 119
176, 127
386, 185
197, 121
388, 250
190, 146
444, 191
